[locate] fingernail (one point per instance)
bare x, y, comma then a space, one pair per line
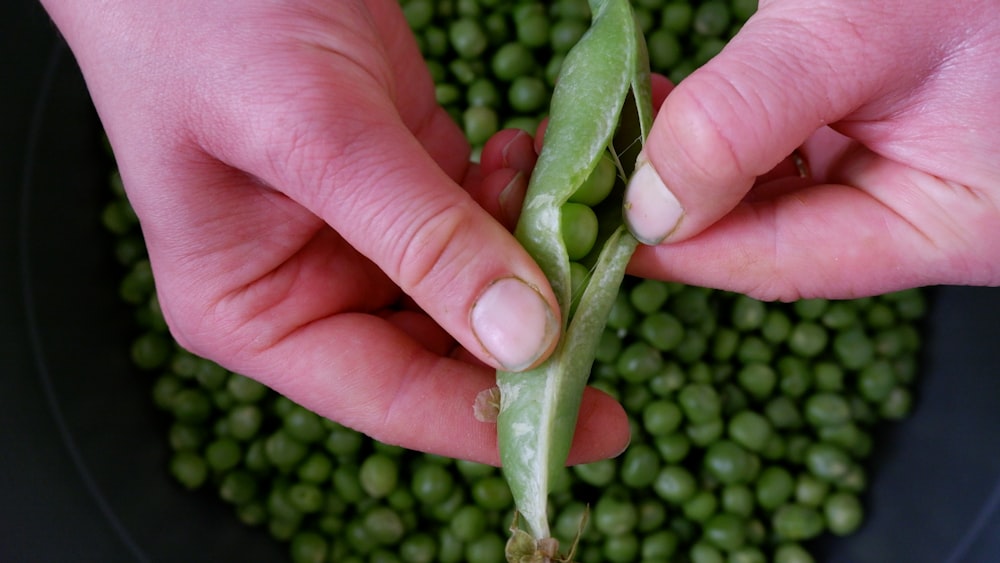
511, 199
513, 323
519, 153
651, 210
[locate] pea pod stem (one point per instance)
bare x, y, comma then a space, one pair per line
601, 101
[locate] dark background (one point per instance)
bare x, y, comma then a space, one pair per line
82, 454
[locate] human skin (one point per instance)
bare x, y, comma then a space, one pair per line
892, 104
312, 217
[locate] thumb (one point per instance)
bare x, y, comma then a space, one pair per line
399, 208
793, 68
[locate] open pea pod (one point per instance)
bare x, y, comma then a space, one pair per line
601, 107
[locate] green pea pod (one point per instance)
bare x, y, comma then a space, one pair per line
601, 101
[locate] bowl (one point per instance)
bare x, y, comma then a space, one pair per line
83, 472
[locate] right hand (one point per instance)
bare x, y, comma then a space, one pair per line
893, 105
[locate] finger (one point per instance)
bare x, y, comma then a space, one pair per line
505, 166
737, 117
379, 381
886, 227
400, 210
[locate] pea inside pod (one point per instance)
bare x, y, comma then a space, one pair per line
600, 113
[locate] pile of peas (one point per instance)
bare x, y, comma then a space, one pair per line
751, 421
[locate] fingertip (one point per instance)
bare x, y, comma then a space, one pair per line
514, 324
652, 211
602, 429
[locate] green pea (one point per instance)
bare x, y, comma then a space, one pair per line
553, 68
189, 469
774, 487
701, 506
609, 346
483, 93
527, 93
284, 451
431, 484
579, 229
598, 184
665, 49
640, 466
876, 381
728, 462
753, 349
512, 60
853, 348
150, 350
660, 546
378, 475
704, 433
245, 421
614, 513
797, 522
690, 305
662, 330
565, 33
757, 379
467, 38
304, 425
191, 405
480, 123
692, 347
792, 553
807, 339
827, 461
750, 429
897, 404
776, 326
306, 497
342, 441
676, 16
738, 499
747, 554
488, 548
623, 314
725, 342
245, 390
783, 412
828, 376
726, 531
639, 362
492, 493
315, 468
223, 454
652, 514
843, 512
531, 25
597, 473
622, 548
469, 522
827, 409
418, 548
661, 417
384, 525
308, 547
700, 402
748, 313
674, 447
675, 484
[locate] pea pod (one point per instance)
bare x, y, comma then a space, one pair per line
601, 104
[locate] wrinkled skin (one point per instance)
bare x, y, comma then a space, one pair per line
313, 222
892, 104
310, 212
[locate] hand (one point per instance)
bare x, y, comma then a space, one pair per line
301, 197
891, 104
